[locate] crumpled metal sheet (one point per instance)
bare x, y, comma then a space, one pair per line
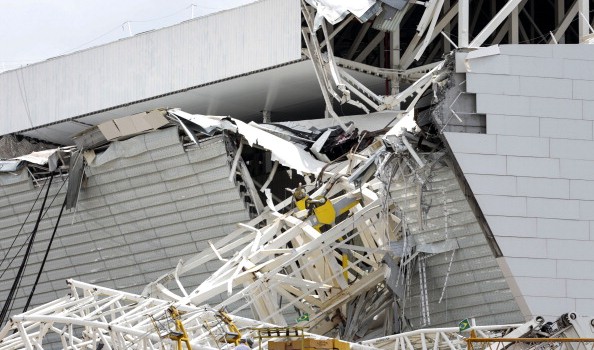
74, 179
206, 124
283, 151
49, 157
7, 166
335, 11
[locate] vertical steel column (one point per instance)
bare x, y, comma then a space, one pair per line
559, 17
515, 26
583, 18
446, 28
463, 11
395, 59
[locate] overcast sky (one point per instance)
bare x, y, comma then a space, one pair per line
34, 30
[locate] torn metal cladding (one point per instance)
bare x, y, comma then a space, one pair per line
375, 245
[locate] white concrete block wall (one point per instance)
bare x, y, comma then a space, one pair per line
532, 173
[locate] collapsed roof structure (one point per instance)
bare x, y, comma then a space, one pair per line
463, 191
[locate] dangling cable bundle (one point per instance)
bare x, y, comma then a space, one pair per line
49, 246
19, 276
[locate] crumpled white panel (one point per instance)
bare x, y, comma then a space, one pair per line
283, 151
335, 11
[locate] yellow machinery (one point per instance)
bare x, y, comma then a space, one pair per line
232, 333
178, 334
325, 212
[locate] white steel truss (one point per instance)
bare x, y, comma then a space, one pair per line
286, 256
93, 317
447, 338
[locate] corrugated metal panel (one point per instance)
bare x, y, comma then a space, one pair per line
136, 217
392, 24
476, 286
207, 49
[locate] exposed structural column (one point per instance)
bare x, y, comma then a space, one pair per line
559, 17
266, 117
583, 18
463, 13
395, 59
515, 25
446, 28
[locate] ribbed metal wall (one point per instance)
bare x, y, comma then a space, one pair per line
137, 216
475, 284
203, 50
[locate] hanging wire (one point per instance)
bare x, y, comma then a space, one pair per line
10, 298
21, 229
26, 259
49, 246
24, 243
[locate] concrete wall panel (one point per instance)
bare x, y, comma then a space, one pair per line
543, 187
577, 270
566, 129
502, 104
527, 166
573, 52
522, 146
527, 66
475, 143
572, 149
494, 84
552, 208
513, 226
577, 169
513, 125
520, 50
555, 108
502, 205
573, 69
522, 247
482, 164
581, 189
524, 267
545, 87
490, 184
568, 229
582, 89
588, 110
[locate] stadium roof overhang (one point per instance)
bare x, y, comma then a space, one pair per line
289, 92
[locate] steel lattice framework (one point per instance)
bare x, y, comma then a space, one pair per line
93, 317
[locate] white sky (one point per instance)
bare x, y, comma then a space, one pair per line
35, 30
